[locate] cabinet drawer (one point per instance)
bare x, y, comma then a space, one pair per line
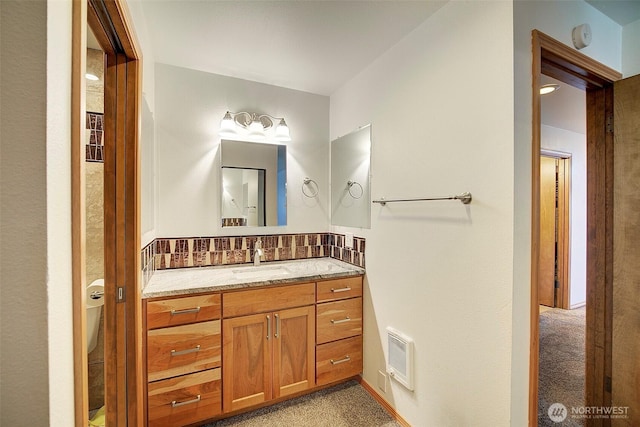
338, 360
332, 290
186, 399
340, 319
180, 311
183, 349
268, 299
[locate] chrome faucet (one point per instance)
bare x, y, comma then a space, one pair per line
257, 252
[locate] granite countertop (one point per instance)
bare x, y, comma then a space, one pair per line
184, 281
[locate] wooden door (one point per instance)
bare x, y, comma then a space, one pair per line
294, 351
625, 346
247, 361
547, 263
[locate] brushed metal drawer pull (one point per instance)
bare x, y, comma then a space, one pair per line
185, 311
335, 322
347, 289
339, 361
277, 325
268, 326
187, 351
175, 403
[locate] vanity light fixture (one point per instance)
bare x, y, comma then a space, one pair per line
254, 126
549, 88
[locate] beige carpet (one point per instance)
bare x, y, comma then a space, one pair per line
562, 363
345, 405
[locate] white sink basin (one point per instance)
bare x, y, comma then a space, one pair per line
266, 272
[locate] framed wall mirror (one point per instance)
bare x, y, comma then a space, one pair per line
350, 186
254, 184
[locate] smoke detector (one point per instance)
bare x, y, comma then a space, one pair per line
581, 36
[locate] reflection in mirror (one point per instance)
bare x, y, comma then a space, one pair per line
350, 195
243, 197
254, 184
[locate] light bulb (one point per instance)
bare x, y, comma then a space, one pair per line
282, 131
227, 126
256, 130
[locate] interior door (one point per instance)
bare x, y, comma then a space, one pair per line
547, 262
625, 384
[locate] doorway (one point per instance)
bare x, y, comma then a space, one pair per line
555, 196
557, 60
94, 230
122, 343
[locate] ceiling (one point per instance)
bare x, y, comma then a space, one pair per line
622, 11
313, 46
310, 45
565, 108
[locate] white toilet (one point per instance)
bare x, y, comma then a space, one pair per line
95, 301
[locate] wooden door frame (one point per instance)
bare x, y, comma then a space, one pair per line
109, 20
563, 228
563, 63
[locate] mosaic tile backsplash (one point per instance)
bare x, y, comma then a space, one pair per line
95, 135
166, 253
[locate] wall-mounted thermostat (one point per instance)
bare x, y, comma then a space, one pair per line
581, 36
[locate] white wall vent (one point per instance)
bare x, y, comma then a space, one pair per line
400, 353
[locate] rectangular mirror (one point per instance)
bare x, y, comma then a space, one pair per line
350, 166
254, 184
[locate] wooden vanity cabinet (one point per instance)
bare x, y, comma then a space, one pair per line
183, 355
213, 354
269, 344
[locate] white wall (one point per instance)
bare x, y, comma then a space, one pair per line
441, 272
630, 51
141, 35
36, 340
557, 139
556, 19
149, 161
148, 174
189, 107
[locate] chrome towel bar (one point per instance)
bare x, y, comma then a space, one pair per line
465, 198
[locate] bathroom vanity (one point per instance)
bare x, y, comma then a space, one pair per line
222, 340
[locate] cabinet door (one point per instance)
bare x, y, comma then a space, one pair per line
294, 350
246, 368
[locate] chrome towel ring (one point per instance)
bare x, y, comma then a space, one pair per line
308, 182
350, 185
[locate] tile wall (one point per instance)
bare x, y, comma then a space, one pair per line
166, 253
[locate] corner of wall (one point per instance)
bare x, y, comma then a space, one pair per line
630, 51
58, 205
